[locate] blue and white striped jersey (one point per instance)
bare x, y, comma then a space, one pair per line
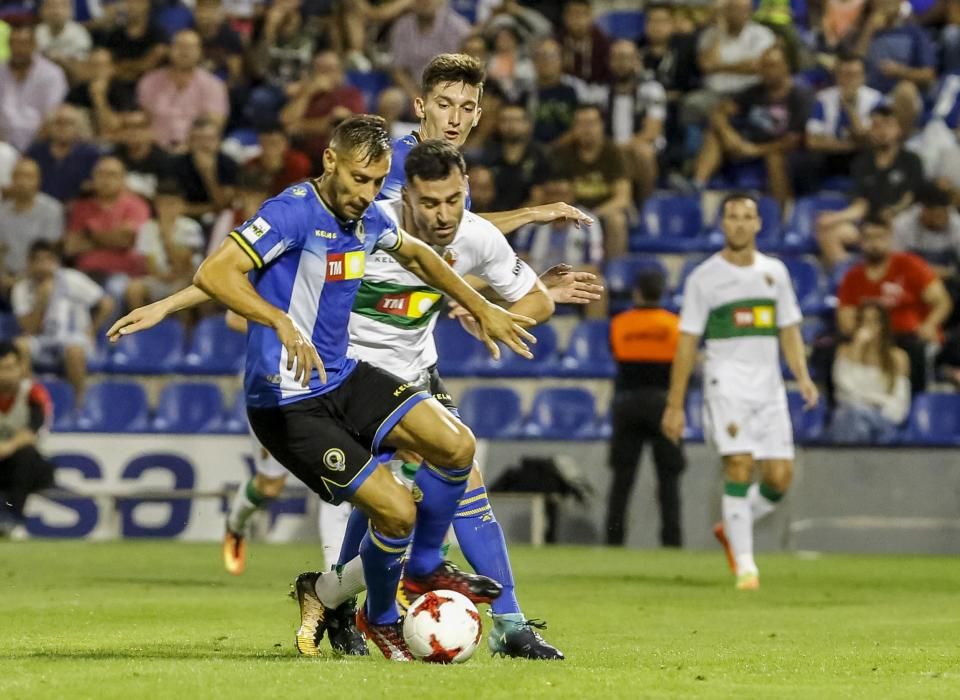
947, 106
308, 263
830, 119
396, 177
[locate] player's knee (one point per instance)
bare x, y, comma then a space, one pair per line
397, 519
270, 486
780, 480
460, 448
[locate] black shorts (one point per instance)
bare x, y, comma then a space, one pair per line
438, 389
332, 442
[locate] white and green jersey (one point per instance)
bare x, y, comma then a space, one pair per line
394, 313
739, 312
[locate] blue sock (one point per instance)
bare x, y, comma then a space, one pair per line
382, 559
352, 537
441, 490
481, 539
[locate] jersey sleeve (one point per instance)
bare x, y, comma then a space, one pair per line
502, 268
695, 308
274, 229
390, 235
83, 289
788, 310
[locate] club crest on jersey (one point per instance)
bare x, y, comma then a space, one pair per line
733, 429
769, 279
345, 266
360, 233
335, 460
450, 256
299, 191
754, 317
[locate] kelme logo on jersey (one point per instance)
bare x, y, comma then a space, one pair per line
408, 304
754, 317
345, 266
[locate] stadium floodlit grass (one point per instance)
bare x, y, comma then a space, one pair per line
161, 619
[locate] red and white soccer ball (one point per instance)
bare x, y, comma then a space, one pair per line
442, 627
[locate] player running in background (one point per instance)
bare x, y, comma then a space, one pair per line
297, 265
742, 302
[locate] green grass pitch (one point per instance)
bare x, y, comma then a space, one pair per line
162, 620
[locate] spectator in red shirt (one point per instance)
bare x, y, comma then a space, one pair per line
906, 286
322, 101
102, 230
285, 165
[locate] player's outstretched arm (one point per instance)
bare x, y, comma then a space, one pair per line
568, 286
510, 221
223, 276
795, 354
148, 316
495, 323
674, 420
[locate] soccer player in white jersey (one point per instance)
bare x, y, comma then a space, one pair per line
742, 303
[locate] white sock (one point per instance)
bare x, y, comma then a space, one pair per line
760, 505
335, 588
738, 527
332, 524
242, 507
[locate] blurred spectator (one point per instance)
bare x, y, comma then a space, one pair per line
241, 14
393, 106
635, 108
253, 187
430, 28
555, 96
509, 65
476, 45
281, 56
871, 378
322, 101
931, 229
937, 144
8, 159
668, 54
948, 39
643, 341
586, 48
204, 172
839, 22
27, 215
599, 175
367, 18
179, 94
222, 46
31, 87
171, 244
839, 125
27, 412
906, 286
146, 163
729, 54
102, 229
766, 121
59, 38
284, 165
65, 158
519, 165
885, 178
60, 310
899, 56
137, 43
563, 241
104, 95
483, 188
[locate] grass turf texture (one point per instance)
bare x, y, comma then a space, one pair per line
161, 619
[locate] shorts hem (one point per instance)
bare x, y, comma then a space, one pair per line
340, 493
390, 422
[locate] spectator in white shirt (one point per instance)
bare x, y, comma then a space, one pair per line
59, 38
27, 215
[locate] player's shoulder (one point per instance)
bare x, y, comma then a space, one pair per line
403, 144
386, 210
768, 263
708, 267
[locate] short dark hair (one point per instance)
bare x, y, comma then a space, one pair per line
433, 160
649, 284
930, 194
7, 348
452, 68
363, 134
43, 247
737, 197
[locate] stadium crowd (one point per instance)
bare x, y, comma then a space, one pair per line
135, 135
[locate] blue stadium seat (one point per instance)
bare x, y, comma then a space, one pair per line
801, 233
491, 411
934, 420
235, 419
808, 426
459, 352
807, 284
588, 352
189, 408
157, 350
63, 398
214, 349
620, 273
510, 364
562, 414
114, 407
9, 328
693, 410
622, 24
671, 224
768, 240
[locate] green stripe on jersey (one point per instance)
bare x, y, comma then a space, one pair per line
742, 318
397, 305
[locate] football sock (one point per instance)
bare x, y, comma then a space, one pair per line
506, 623
334, 588
246, 501
441, 491
382, 558
738, 525
482, 542
357, 525
763, 500
332, 524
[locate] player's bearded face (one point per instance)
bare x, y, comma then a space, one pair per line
449, 112
356, 182
740, 224
437, 207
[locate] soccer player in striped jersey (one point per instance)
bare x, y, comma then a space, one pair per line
742, 303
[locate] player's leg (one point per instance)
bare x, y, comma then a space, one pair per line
775, 478
737, 517
669, 461
332, 524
